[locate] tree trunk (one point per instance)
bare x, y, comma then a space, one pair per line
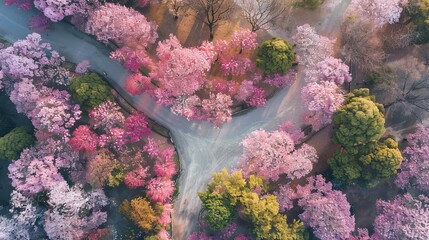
211, 32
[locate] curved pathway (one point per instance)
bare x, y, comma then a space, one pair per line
202, 149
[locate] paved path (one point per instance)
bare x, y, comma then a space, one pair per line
202, 149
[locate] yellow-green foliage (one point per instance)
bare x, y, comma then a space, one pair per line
12, 144
232, 191
275, 56
418, 11
360, 120
367, 163
90, 91
117, 176
142, 213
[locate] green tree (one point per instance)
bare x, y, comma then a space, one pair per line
12, 144
220, 212
142, 213
228, 192
367, 163
90, 91
360, 120
275, 56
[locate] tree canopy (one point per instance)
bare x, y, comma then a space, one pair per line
90, 91
229, 192
360, 120
15, 141
275, 56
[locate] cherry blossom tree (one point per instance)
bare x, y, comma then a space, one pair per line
252, 95
187, 106
64, 218
325, 210
160, 189
270, 154
131, 28
311, 48
136, 127
136, 84
232, 56
381, 12
84, 139
415, 167
180, 70
106, 116
33, 172
403, 218
30, 58
82, 67
329, 69
132, 59
322, 100
165, 218
165, 165
279, 80
57, 10
53, 113
217, 108
24, 95
137, 177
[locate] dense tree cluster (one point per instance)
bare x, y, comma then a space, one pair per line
228, 193
359, 125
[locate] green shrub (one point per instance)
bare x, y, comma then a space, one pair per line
275, 56
12, 144
90, 91
309, 4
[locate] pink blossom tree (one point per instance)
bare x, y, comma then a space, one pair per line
106, 116
270, 154
84, 139
132, 59
187, 106
137, 177
64, 218
329, 69
57, 10
33, 172
136, 84
415, 167
278, 80
136, 127
160, 189
322, 100
216, 108
30, 58
379, 11
82, 67
232, 56
130, 29
165, 165
311, 48
180, 71
53, 113
403, 218
325, 210
165, 218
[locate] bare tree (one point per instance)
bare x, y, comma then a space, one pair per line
361, 46
176, 6
212, 12
265, 13
406, 87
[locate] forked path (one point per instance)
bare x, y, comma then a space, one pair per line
202, 149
